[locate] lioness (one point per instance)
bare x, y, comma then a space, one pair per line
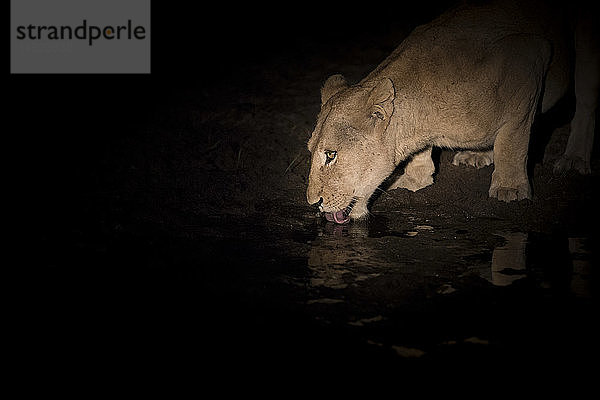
472, 79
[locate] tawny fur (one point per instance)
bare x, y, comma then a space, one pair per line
472, 79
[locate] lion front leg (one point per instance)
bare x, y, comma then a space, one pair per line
509, 179
418, 173
527, 66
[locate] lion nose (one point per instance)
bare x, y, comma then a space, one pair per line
318, 203
313, 196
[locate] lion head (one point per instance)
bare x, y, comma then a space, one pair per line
352, 152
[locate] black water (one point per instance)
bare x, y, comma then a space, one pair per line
320, 294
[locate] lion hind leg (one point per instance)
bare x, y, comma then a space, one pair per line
587, 90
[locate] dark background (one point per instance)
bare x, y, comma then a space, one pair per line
105, 281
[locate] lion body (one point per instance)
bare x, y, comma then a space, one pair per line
473, 79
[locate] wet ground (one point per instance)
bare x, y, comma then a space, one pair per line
169, 225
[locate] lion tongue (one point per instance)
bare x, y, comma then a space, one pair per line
339, 217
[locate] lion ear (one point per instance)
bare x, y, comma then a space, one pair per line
332, 85
382, 97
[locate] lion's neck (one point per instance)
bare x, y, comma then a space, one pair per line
408, 129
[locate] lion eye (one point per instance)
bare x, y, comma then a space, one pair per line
330, 155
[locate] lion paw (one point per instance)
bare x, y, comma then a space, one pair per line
509, 194
565, 163
477, 159
412, 183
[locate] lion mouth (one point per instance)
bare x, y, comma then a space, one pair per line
341, 216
